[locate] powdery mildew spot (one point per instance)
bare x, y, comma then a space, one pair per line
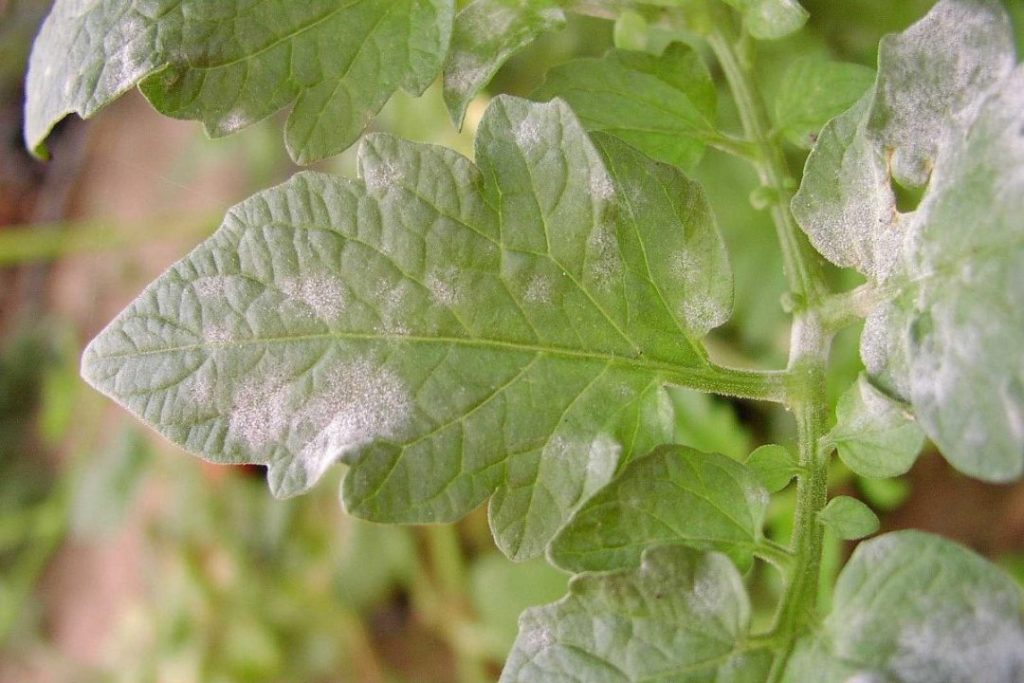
382, 176
468, 72
707, 595
324, 295
442, 286
604, 265
217, 334
538, 291
261, 412
213, 287
390, 300
601, 186
356, 404
527, 134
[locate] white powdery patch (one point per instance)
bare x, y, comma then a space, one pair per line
467, 73
443, 288
390, 300
217, 334
261, 412
212, 287
601, 186
356, 404
707, 596
324, 295
701, 313
527, 134
538, 291
537, 638
604, 264
382, 176
984, 645
865, 677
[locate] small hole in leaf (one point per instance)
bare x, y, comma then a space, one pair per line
907, 198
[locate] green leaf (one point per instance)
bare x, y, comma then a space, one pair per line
812, 92
486, 34
874, 435
916, 608
674, 495
630, 31
682, 616
663, 106
849, 518
774, 466
771, 19
232, 64
947, 111
450, 331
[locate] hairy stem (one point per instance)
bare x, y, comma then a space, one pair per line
809, 346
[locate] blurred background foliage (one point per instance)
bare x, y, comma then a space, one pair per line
121, 559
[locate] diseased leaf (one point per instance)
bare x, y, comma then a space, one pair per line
774, 466
874, 435
486, 34
450, 331
682, 616
947, 111
916, 608
663, 106
771, 19
812, 92
849, 518
673, 495
232, 64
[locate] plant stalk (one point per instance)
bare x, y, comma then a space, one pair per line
810, 341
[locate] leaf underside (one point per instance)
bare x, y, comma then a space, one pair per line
450, 331
230, 64
917, 608
946, 113
681, 616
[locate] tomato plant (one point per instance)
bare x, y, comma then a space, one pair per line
509, 328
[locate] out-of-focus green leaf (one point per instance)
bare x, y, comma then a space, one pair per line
450, 331
849, 518
771, 19
708, 424
631, 31
916, 608
662, 105
682, 616
812, 92
501, 590
232, 64
486, 34
946, 112
874, 434
108, 486
675, 495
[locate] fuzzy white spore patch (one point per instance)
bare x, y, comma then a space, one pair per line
443, 286
707, 597
382, 176
604, 263
261, 411
601, 186
538, 290
217, 334
982, 645
467, 72
325, 296
391, 306
527, 134
355, 404
212, 287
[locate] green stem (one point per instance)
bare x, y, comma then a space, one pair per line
809, 346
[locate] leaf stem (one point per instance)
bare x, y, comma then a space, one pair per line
803, 270
810, 340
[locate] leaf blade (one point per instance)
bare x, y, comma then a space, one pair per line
230, 67
427, 326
